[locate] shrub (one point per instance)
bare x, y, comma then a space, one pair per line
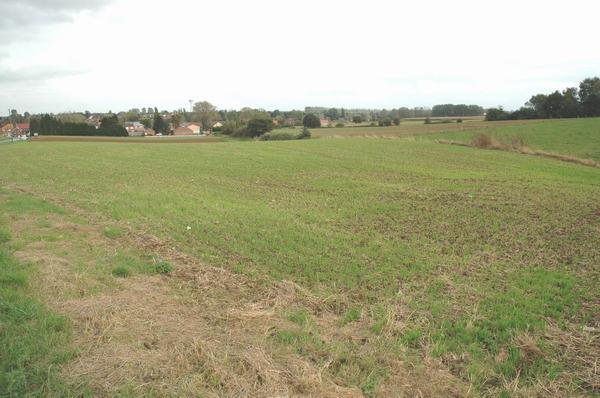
427, 120
339, 124
459, 120
121, 272
304, 134
258, 126
231, 127
386, 122
518, 142
285, 135
277, 136
484, 140
162, 267
357, 119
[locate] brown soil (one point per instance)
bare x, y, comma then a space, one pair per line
129, 140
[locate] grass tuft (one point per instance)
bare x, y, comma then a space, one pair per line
113, 232
4, 235
121, 272
351, 315
298, 316
163, 267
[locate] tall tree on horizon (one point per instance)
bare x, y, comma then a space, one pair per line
206, 114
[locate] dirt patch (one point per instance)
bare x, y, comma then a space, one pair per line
130, 140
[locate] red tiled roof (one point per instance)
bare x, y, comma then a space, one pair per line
23, 126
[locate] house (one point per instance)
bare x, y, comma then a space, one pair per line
135, 129
325, 122
6, 128
217, 125
93, 121
22, 128
17, 129
195, 127
183, 131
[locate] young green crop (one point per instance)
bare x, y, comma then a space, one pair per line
477, 246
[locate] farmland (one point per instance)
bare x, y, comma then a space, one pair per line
410, 129
344, 267
575, 137
579, 137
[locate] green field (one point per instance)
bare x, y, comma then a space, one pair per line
573, 137
579, 138
424, 261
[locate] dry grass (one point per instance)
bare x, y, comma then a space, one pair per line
202, 329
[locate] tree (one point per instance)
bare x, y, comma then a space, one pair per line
311, 121
331, 113
71, 118
456, 110
258, 126
232, 127
538, 103
159, 125
176, 120
109, 125
357, 119
589, 94
587, 87
386, 121
570, 103
146, 122
206, 114
494, 114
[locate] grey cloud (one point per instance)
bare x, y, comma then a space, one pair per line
20, 16
64, 4
35, 74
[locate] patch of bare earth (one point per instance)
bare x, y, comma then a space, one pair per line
200, 330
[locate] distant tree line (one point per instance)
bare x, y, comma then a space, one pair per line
582, 101
367, 115
49, 125
456, 110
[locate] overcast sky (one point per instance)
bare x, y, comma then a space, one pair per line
100, 55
